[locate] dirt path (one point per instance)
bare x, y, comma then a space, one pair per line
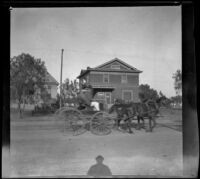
39, 149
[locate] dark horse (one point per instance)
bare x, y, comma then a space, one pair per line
122, 110
147, 109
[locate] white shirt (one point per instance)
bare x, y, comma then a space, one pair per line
95, 104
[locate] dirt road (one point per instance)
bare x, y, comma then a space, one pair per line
38, 149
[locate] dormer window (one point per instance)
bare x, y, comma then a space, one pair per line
116, 67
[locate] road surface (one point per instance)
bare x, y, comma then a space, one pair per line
38, 148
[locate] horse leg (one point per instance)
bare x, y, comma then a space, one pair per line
154, 122
129, 126
118, 122
138, 126
128, 123
143, 122
150, 126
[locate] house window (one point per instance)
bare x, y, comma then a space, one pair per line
49, 89
100, 97
124, 78
117, 67
108, 98
101, 93
106, 78
87, 78
127, 95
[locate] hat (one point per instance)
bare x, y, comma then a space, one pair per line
99, 157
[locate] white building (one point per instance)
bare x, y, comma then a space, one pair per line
51, 86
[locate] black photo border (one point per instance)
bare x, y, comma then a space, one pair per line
190, 28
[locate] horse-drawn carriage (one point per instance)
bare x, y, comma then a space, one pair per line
84, 117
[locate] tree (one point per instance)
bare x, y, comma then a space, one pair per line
70, 90
178, 82
161, 94
145, 92
176, 99
27, 74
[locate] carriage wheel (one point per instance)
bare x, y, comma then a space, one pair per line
73, 122
101, 123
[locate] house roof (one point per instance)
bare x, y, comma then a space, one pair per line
120, 61
129, 68
50, 79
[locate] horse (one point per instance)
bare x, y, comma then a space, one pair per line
122, 110
148, 108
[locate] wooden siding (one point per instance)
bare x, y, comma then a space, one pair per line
127, 95
133, 79
96, 78
114, 79
118, 93
122, 67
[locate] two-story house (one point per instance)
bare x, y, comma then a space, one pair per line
111, 80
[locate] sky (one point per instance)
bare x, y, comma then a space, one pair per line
147, 38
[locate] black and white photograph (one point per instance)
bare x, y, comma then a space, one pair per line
96, 92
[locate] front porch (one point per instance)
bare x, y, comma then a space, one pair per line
103, 95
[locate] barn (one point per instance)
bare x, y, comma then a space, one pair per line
111, 80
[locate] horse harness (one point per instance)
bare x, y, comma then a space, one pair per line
121, 110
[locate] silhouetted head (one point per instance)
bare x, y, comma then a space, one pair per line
99, 159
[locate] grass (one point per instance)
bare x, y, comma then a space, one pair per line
27, 114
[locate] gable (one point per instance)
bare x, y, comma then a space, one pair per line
116, 64
50, 79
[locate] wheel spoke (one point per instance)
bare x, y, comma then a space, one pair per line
73, 122
101, 124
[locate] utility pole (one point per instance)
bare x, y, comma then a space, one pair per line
61, 78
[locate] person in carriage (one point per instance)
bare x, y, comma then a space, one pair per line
85, 96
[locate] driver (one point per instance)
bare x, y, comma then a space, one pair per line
85, 96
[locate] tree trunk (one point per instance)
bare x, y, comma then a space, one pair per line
19, 109
23, 104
